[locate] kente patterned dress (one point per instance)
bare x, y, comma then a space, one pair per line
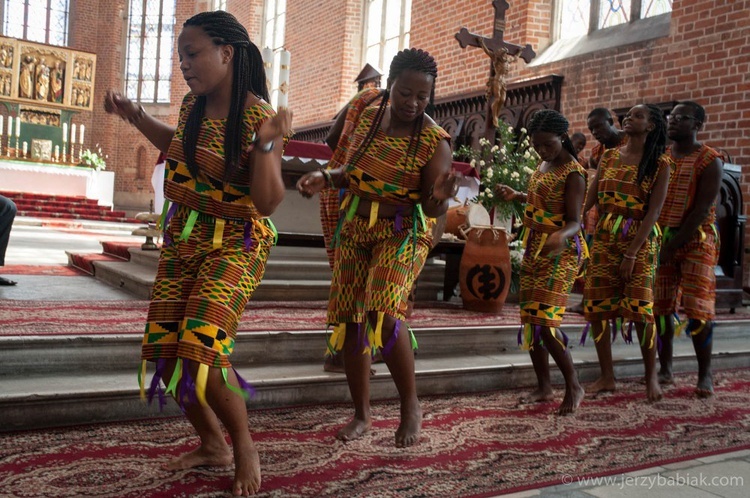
623, 205
215, 248
690, 274
378, 259
546, 281
330, 198
591, 218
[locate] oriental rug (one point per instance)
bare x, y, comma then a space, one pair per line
473, 445
128, 317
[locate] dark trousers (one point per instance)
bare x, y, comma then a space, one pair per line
7, 213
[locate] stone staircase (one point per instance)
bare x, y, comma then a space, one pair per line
55, 381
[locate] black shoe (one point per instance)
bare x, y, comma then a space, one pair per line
5, 281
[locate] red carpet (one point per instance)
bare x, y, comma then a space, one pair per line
129, 317
49, 270
472, 446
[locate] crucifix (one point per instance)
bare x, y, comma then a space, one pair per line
502, 54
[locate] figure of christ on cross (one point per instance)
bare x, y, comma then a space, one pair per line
502, 54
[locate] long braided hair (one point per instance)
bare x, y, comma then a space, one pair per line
551, 121
413, 59
656, 144
248, 76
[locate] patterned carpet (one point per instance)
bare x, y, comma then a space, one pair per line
472, 446
129, 317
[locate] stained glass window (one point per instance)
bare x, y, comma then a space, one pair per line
574, 18
613, 12
273, 38
387, 26
43, 21
148, 68
650, 8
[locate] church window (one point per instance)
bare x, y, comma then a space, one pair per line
148, 60
274, 23
21, 19
577, 18
219, 4
387, 26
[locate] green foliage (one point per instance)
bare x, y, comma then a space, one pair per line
95, 160
510, 161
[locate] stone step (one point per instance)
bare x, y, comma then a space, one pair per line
35, 401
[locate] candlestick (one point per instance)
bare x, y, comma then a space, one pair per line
80, 138
65, 152
57, 153
65, 133
25, 148
18, 126
284, 61
72, 136
17, 147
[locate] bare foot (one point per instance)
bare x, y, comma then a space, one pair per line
201, 456
408, 430
246, 469
665, 378
571, 401
355, 429
653, 390
602, 385
538, 396
705, 387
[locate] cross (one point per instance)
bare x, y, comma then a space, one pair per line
497, 45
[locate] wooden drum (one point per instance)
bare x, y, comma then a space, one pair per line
484, 273
463, 217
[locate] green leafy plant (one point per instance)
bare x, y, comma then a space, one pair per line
96, 160
509, 161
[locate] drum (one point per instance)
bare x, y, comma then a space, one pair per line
484, 273
465, 216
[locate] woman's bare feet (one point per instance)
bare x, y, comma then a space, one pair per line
653, 390
571, 401
246, 469
201, 456
355, 429
410, 427
602, 385
705, 387
538, 396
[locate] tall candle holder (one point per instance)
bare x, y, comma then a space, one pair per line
18, 146
64, 157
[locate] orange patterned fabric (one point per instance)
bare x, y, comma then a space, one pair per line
598, 151
208, 193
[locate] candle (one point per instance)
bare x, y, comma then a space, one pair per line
65, 132
25, 148
1, 125
72, 136
284, 61
10, 126
57, 152
18, 126
80, 138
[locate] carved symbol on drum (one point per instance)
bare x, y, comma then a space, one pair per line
490, 278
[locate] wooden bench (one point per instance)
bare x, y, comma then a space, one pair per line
452, 252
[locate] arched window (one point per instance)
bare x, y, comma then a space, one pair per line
148, 66
43, 21
580, 17
274, 23
387, 26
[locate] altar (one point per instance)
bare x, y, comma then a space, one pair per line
53, 179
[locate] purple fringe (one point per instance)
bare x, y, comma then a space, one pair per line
613, 326
170, 213
398, 221
246, 236
578, 246
626, 227
584, 334
155, 387
538, 334
629, 336
520, 335
658, 343
565, 339
244, 385
392, 341
186, 387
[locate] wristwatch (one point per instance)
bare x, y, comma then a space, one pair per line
264, 148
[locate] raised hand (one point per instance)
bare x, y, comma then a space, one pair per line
117, 103
446, 185
278, 126
311, 183
505, 192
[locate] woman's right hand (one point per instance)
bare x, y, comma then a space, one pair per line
505, 192
119, 104
311, 183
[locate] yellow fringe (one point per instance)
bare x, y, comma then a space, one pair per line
200, 384
338, 336
604, 331
142, 380
376, 336
374, 206
542, 241
699, 329
218, 232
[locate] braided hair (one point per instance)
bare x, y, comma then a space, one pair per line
413, 59
249, 75
656, 144
551, 121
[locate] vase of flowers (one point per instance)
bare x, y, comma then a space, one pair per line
509, 161
96, 160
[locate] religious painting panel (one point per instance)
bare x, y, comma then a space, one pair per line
46, 75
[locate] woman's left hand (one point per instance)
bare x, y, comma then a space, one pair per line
446, 186
554, 245
278, 126
626, 269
